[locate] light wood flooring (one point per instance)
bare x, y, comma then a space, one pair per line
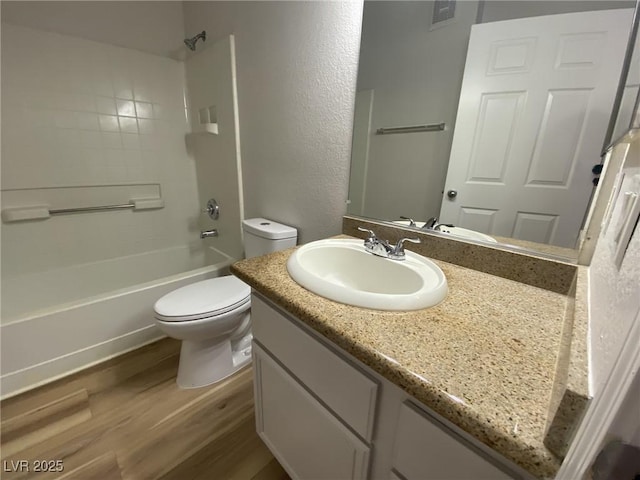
126, 419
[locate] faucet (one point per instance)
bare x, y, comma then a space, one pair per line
398, 251
382, 248
375, 245
412, 222
209, 233
432, 224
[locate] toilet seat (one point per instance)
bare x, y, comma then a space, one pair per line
208, 298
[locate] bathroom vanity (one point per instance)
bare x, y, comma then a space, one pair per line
324, 416
459, 390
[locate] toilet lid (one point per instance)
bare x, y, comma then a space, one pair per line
203, 299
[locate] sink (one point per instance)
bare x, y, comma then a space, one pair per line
341, 270
466, 233
458, 232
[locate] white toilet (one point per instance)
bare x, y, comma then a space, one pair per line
212, 317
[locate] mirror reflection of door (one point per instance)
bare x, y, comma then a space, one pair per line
533, 111
410, 73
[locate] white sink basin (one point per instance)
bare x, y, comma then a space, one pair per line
341, 270
466, 233
457, 231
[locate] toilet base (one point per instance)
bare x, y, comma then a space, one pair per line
202, 363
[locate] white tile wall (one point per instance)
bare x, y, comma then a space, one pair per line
77, 112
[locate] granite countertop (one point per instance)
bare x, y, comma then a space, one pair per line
484, 358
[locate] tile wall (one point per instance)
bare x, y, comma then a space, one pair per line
82, 113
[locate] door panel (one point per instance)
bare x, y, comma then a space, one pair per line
532, 116
308, 441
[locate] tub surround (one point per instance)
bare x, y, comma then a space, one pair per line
486, 358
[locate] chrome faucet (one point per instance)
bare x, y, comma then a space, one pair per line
412, 222
382, 248
398, 251
432, 224
375, 245
209, 233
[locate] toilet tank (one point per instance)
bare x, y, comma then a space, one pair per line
262, 236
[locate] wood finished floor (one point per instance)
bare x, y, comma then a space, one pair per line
127, 420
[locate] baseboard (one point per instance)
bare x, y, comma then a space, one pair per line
34, 376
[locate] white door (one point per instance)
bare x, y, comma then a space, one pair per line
534, 107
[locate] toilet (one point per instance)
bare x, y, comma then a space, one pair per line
213, 317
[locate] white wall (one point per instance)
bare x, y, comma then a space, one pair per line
82, 113
614, 334
416, 73
151, 26
296, 66
614, 293
497, 10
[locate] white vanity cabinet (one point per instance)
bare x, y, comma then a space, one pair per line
424, 448
326, 416
302, 434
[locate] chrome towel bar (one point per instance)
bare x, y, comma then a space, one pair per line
63, 211
433, 127
40, 212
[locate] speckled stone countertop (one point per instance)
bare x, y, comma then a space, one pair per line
484, 358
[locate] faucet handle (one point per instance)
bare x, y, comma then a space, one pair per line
412, 222
429, 224
398, 251
371, 239
370, 232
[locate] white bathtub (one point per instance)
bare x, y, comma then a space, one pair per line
63, 320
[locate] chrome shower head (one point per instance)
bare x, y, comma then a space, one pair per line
191, 42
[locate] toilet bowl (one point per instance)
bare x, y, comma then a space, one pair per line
212, 317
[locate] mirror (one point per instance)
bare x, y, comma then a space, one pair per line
628, 98
500, 142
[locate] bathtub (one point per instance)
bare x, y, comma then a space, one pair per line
54, 323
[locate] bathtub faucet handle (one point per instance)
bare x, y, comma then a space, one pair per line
209, 233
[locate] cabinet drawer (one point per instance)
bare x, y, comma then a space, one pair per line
426, 449
306, 438
343, 388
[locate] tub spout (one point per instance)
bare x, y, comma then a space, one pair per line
209, 233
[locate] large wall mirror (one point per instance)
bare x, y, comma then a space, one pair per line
485, 120
627, 106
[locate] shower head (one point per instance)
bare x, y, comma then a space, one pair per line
191, 42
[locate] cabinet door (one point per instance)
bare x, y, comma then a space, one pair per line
306, 438
319, 369
425, 449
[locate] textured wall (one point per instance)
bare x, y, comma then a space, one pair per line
614, 293
296, 66
151, 26
626, 426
